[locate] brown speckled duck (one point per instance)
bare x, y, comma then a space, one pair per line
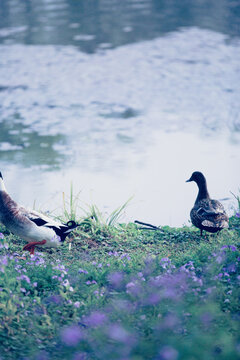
30, 225
207, 214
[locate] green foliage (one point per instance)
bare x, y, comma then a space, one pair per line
121, 292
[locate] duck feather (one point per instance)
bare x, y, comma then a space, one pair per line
30, 224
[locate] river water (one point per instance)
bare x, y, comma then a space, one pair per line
121, 99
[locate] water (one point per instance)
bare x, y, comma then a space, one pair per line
122, 99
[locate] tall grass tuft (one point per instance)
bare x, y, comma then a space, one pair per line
70, 205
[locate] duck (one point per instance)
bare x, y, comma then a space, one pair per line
207, 214
30, 225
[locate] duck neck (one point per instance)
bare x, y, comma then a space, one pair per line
202, 191
2, 186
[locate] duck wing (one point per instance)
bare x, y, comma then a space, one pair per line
210, 209
40, 219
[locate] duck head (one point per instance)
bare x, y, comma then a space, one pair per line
201, 182
198, 177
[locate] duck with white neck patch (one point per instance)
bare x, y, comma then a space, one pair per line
30, 225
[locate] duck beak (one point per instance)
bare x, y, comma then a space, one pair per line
189, 180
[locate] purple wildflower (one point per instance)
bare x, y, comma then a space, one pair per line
233, 248
116, 279
232, 268
24, 277
1, 236
82, 271
168, 353
96, 318
66, 283
71, 335
4, 260
238, 214
77, 304
56, 299
90, 282
153, 299
118, 333
133, 288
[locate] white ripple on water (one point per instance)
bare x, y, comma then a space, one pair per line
182, 79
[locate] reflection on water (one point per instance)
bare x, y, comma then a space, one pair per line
118, 121
96, 24
21, 145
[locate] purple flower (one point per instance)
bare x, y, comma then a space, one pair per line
118, 333
133, 288
66, 283
232, 247
237, 214
168, 353
116, 279
4, 260
24, 277
90, 282
82, 271
232, 268
71, 335
153, 299
56, 299
96, 318
1, 236
125, 256
77, 304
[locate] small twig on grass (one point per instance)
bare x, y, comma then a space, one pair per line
150, 226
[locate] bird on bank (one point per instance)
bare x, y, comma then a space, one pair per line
30, 225
207, 214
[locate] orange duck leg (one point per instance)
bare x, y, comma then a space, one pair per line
31, 246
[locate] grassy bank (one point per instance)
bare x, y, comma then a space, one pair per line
119, 292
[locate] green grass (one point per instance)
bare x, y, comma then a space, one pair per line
114, 291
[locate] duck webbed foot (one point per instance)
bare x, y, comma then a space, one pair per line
31, 246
